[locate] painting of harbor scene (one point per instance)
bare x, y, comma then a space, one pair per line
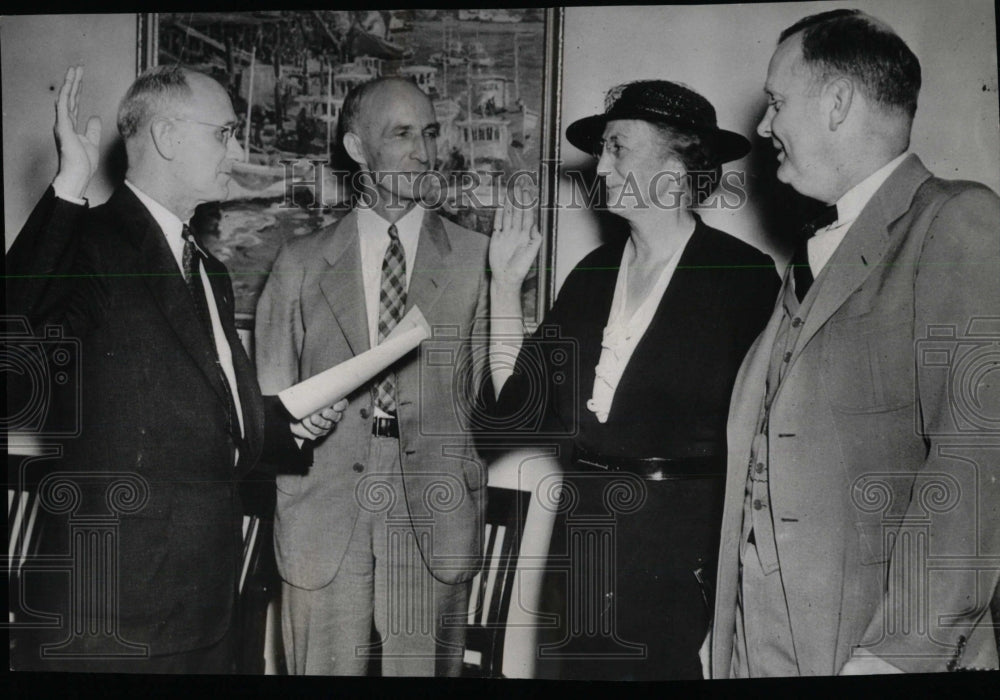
288, 74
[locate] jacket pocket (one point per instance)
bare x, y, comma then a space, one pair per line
871, 538
868, 364
289, 484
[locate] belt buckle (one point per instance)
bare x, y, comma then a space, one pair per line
385, 427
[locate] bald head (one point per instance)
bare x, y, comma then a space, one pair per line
369, 99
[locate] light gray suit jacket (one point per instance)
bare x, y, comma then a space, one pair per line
883, 469
311, 316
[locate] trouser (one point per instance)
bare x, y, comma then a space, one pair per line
763, 641
382, 582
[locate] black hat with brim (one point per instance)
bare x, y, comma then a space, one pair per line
660, 102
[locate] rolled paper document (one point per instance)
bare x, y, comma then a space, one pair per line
330, 386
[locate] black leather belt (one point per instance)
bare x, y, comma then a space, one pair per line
385, 427
654, 468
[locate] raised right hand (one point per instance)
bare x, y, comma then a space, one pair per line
514, 244
77, 152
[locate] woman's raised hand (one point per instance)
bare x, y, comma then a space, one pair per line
515, 242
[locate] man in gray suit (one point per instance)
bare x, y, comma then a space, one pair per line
385, 527
860, 531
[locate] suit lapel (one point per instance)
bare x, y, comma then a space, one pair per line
863, 248
750, 387
246, 377
343, 287
166, 283
687, 293
431, 269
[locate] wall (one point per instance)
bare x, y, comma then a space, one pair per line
35, 51
723, 50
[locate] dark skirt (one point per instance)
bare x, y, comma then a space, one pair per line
629, 576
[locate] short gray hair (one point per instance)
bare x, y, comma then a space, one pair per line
149, 94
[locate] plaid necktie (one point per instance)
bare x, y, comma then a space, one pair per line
192, 259
392, 302
800, 258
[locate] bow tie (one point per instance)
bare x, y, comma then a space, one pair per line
800, 259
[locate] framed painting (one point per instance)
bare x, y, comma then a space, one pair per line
492, 76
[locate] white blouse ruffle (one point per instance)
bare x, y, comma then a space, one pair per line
621, 335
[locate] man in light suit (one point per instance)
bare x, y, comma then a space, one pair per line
170, 413
860, 531
384, 529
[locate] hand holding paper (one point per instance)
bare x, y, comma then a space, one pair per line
328, 387
320, 423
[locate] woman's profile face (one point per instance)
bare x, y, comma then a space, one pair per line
639, 170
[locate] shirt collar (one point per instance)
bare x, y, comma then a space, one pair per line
849, 206
408, 226
171, 226
167, 220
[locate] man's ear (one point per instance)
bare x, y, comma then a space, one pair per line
163, 134
840, 93
355, 149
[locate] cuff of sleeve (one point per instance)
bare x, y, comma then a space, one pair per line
875, 663
66, 197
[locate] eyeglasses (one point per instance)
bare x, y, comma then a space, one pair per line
226, 131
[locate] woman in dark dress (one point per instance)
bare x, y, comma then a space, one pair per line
630, 374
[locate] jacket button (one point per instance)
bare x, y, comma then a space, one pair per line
787, 356
358, 467
760, 467
757, 505
796, 322
365, 413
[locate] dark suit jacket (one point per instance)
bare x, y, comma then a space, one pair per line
673, 397
152, 415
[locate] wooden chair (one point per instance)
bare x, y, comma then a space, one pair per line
22, 516
502, 620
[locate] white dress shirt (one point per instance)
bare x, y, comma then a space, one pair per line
373, 234
622, 335
822, 246
172, 228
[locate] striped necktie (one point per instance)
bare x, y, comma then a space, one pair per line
392, 302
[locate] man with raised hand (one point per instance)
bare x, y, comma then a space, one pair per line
171, 416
